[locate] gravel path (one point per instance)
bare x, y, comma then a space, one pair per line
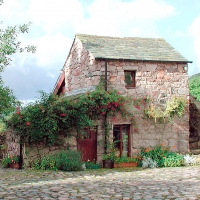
137, 183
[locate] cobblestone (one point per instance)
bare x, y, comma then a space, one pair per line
124, 184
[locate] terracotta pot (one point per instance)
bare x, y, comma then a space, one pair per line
14, 165
108, 164
132, 164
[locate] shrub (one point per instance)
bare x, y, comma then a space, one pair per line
64, 160
162, 156
92, 165
69, 160
149, 162
173, 160
189, 160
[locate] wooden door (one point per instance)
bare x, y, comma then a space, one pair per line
88, 146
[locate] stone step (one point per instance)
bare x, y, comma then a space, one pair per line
194, 145
195, 151
194, 139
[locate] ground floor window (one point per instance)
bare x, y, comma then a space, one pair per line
121, 137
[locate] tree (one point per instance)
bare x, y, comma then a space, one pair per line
9, 45
194, 86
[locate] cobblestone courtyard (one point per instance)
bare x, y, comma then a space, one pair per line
162, 183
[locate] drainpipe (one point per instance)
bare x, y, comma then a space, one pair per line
106, 74
105, 119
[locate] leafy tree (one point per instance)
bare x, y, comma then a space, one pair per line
194, 85
9, 45
7, 101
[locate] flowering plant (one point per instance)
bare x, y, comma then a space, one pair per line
9, 159
92, 165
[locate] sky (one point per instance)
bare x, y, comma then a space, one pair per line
55, 23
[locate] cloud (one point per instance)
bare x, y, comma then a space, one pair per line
51, 49
116, 18
52, 15
54, 24
195, 32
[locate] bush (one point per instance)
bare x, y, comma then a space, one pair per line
173, 160
189, 160
194, 84
69, 160
162, 156
64, 160
92, 165
148, 162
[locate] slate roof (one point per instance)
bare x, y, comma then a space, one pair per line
131, 48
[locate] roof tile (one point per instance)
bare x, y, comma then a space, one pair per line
130, 48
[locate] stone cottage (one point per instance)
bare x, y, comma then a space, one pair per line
135, 67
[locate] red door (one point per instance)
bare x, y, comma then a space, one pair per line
88, 146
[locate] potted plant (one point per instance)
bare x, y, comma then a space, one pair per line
11, 161
110, 157
125, 161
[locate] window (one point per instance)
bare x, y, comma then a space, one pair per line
130, 78
121, 137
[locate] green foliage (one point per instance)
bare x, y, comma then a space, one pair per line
6, 161
101, 102
162, 156
8, 101
9, 159
194, 86
110, 151
69, 161
50, 115
174, 107
92, 165
173, 160
45, 163
125, 159
10, 45
37, 121
64, 160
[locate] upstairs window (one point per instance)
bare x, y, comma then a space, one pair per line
130, 78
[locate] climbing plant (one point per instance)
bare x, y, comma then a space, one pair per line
50, 115
174, 107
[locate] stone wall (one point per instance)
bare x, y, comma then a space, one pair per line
31, 152
12, 146
37, 150
159, 81
2, 144
81, 70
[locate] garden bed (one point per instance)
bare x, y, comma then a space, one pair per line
124, 164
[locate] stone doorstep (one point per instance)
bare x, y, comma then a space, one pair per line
193, 145
195, 151
194, 139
